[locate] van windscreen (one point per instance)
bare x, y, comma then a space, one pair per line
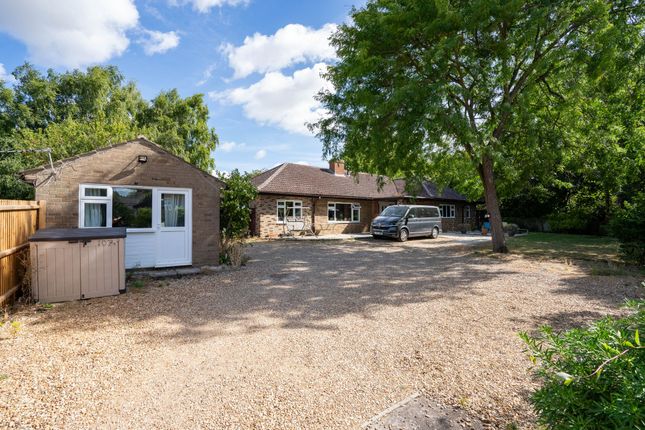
397, 211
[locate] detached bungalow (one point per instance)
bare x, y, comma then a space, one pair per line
169, 207
333, 201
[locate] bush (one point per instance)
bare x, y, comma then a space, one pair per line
510, 229
628, 226
574, 222
235, 204
232, 252
593, 378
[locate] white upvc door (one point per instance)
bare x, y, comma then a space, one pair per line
174, 226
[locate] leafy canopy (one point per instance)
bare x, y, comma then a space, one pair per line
419, 82
75, 112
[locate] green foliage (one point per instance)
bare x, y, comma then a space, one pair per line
628, 225
483, 89
75, 112
137, 283
235, 204
575, 221
593, 378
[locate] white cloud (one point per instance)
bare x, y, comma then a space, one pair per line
70, 33
285, 101
206, 75
260, 154
292, 44
5, 76
230, 146
203, 6
157, 42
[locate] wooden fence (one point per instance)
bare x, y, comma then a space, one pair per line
19, 219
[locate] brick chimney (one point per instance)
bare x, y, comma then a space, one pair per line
337, 166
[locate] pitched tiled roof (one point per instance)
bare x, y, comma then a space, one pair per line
296, 179
428, 190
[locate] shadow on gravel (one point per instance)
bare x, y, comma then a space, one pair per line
306, 285
292, 283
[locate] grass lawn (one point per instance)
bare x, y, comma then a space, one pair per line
573, 246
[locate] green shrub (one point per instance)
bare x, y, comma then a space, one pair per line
574, 222
628, 226
235, 204
593, 378
510, 229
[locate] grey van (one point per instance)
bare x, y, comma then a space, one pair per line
403, 221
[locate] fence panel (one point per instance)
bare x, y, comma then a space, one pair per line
19, 219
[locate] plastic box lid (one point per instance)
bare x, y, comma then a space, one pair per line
80, 234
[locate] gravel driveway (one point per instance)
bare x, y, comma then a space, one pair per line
308, 335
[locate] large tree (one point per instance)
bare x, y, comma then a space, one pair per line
76, 112
421, 80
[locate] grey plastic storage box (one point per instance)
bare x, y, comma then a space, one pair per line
77, 263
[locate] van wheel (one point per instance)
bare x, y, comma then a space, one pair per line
403, 235
435, 233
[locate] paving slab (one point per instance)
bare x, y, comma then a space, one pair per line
418, 412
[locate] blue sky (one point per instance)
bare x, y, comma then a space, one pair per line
258, 62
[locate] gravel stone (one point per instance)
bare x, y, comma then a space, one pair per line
316, 335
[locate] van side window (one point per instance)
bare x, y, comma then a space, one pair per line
434, 212
414, 213
425, 213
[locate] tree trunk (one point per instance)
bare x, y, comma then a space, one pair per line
492, 205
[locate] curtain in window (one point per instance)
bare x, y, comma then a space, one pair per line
95, 214
172, 210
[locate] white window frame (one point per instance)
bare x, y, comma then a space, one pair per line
108, 200
297, 205
154, 208
467, 213
449, 210
354, 207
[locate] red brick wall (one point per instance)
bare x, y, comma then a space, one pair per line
452, 224
119, 166
267, 225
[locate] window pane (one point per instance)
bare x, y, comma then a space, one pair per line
95, 215
173, 210
280, 213
96, 192
356, 214
131, 207
343, 212
330, 213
